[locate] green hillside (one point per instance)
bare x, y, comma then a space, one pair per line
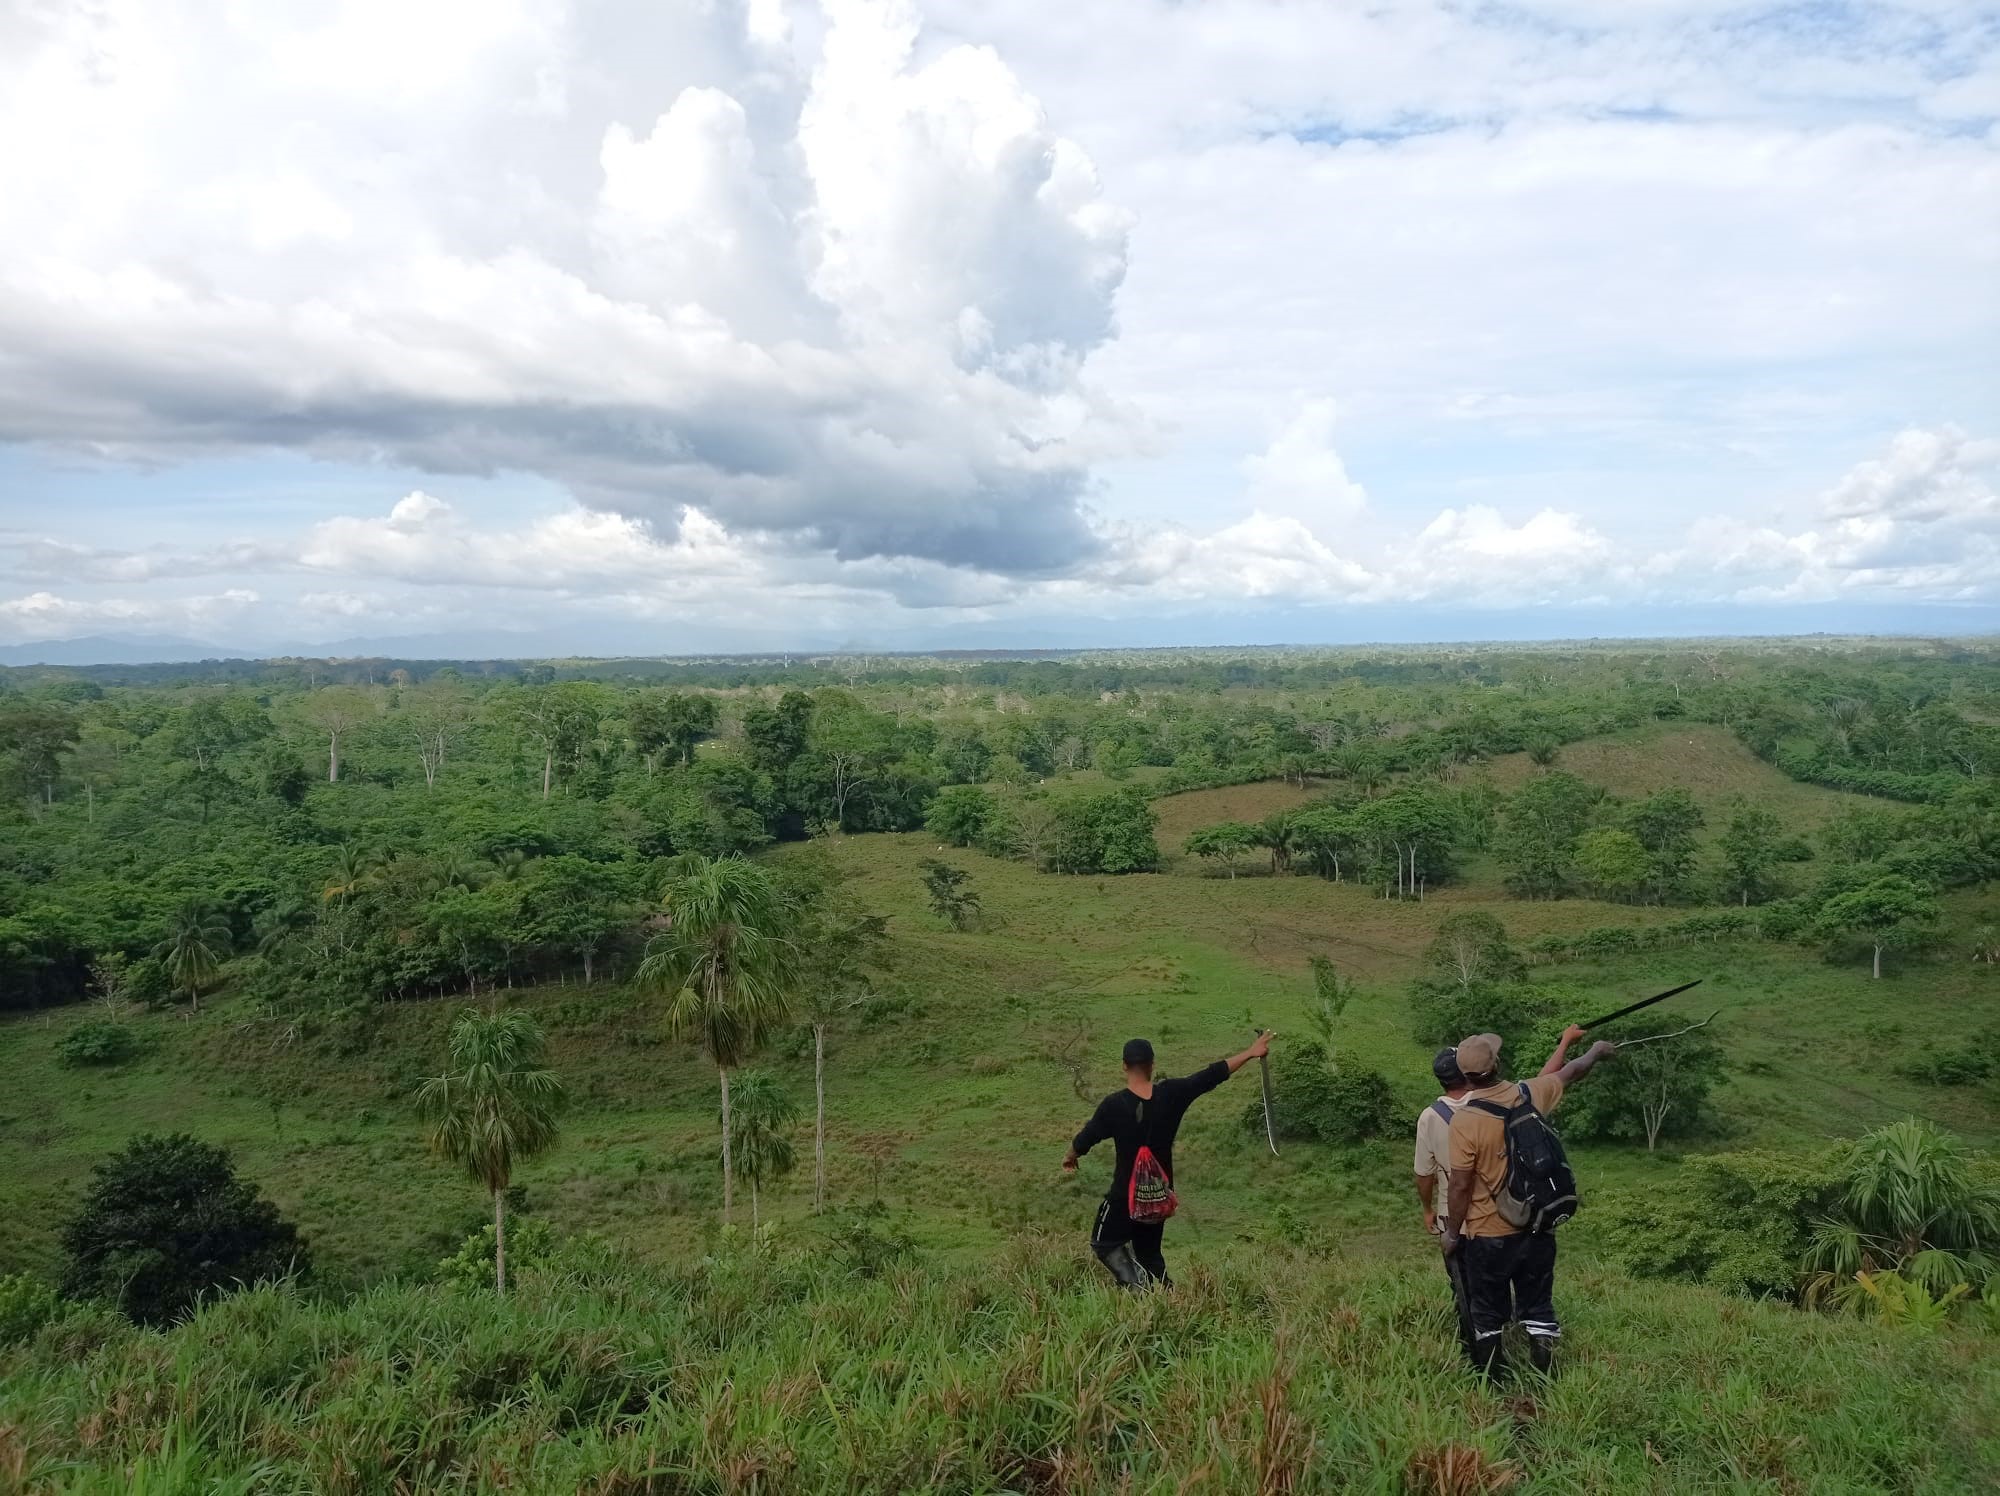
1268, 1369
943, 1327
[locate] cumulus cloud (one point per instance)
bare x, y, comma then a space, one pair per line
1920, 522
865, 308
842, 293
1301, 475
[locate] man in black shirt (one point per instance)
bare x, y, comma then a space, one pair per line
1146, 1113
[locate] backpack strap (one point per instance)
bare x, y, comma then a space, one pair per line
1493, 1108
1443, 1110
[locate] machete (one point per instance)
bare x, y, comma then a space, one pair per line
1264, 1072
1642, 1003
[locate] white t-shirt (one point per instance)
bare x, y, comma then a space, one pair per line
1434, 1143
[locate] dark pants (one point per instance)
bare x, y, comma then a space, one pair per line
1510, 1277
1129, 1249
1461, 1301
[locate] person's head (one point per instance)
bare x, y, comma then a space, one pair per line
1445, 1068
1479, 1059
1139, 1057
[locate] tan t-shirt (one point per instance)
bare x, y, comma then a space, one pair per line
1478, 1144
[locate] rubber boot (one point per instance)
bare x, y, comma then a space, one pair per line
1489, 1358
1542, 1353
1124, 1266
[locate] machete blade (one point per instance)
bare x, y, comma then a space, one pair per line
1270, 1125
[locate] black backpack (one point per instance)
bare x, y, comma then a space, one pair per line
1539, 1192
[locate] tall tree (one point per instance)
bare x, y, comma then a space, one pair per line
729, 964
842, 949
431, 718
337, 711
497, 1107
1665, 823
558, 719
1539, 830
1887, 912
193, 949
761, 1133
37, 737
1613, 863
1749, 847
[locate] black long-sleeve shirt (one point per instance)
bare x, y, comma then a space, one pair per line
1131, 1122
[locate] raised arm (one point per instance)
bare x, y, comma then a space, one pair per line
1259, 1047
1561, 1052
1581, 1066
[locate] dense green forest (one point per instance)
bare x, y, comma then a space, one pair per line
802, 942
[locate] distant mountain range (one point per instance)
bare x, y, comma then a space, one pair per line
97, 649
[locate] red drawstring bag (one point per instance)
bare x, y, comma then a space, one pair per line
1150, 1195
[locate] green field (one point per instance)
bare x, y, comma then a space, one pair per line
970, 1043
1307, 1346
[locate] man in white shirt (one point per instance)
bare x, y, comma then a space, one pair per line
1434, 1170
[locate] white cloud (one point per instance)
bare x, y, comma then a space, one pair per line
868, 306
1301, 475
847, 298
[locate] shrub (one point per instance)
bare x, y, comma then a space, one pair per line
26, 1304
1740, 1222
1966, 1065
866, 1243
165, 1222
1445, 1012
97, 1041
1320, 1105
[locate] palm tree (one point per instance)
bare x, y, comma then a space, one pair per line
761, 1133
352, 867
497, 1108
197, 941
1911, 1202
728, 964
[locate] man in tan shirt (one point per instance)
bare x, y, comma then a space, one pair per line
1508, 1274
1433, 1157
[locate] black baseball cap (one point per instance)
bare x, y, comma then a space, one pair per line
1138, 1052
1445, 1068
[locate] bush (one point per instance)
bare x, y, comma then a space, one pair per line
26, 1304
1311, 1102
167, 1222
1966, 1065
866, 1243
1445, 1012
97, 1041
1740, 1222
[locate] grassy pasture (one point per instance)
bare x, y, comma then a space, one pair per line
988, 1045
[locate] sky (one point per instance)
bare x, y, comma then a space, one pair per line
664, 326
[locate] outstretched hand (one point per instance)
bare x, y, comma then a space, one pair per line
1573, 1033
1261, 1046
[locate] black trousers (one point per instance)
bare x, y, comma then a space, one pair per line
1114, 1229
1461, 1300
1510, 1277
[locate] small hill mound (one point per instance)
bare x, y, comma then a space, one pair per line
1190, 811
1709, 762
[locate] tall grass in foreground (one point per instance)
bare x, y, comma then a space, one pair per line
1272, 1373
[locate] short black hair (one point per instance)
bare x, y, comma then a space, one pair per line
1445, 1068
1138, 1052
